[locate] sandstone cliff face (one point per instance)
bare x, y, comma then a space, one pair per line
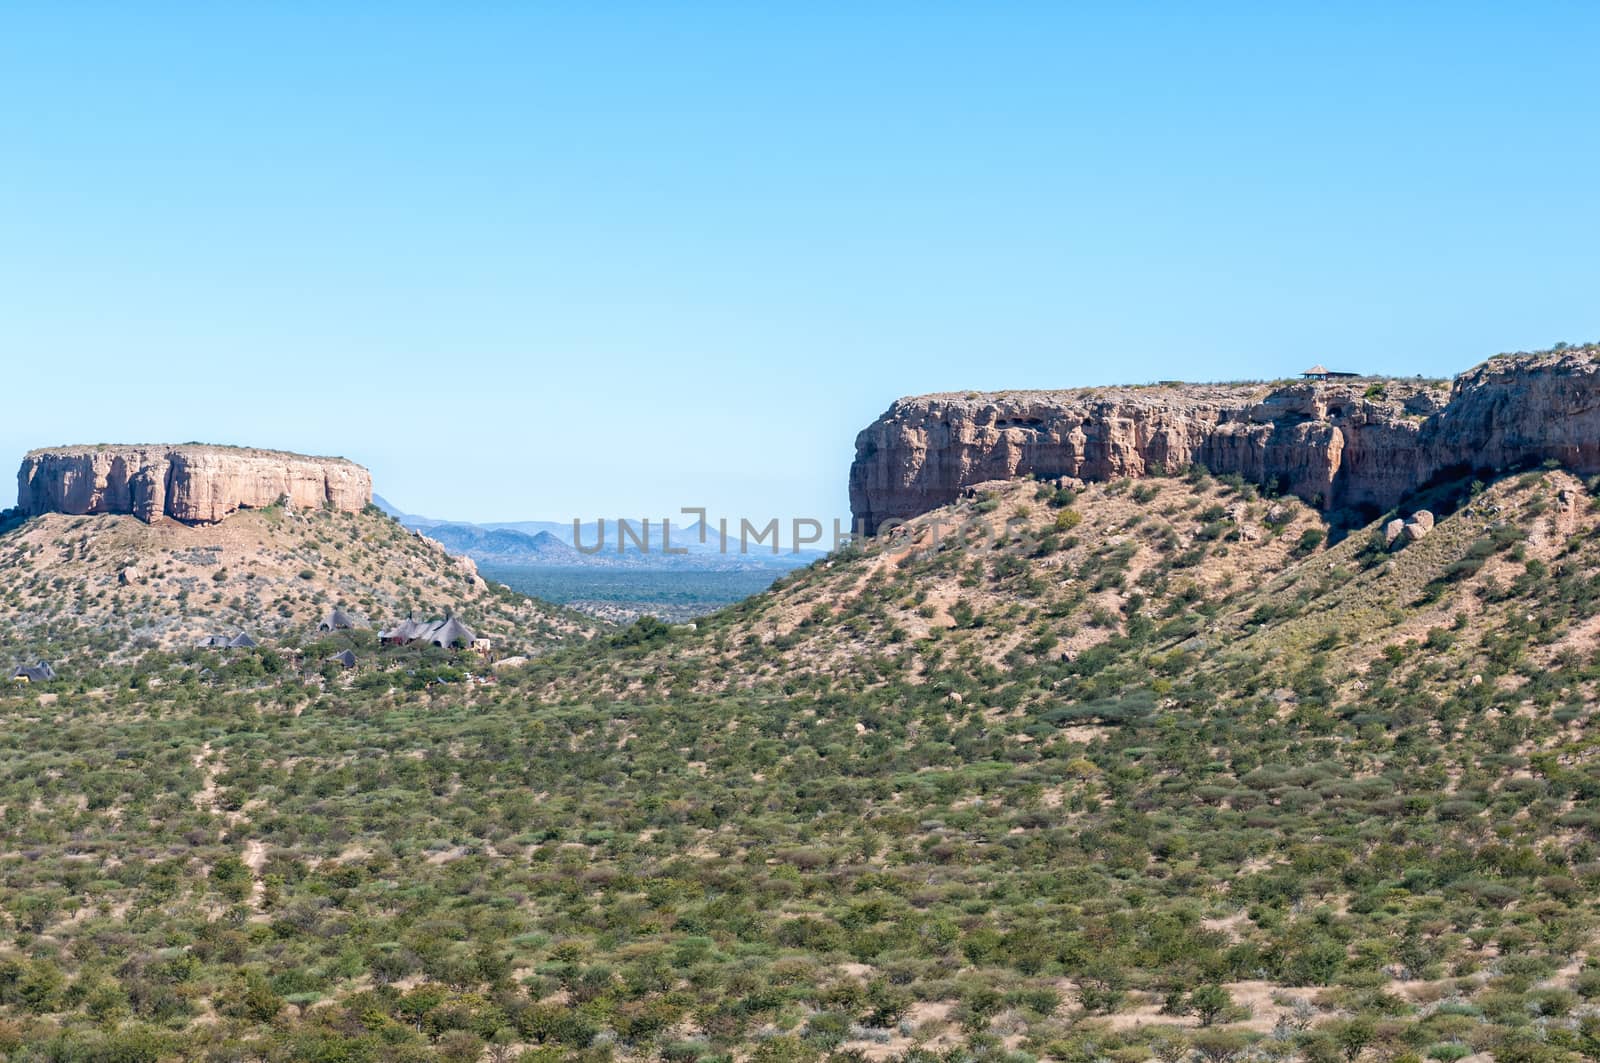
1348, 444
190, 483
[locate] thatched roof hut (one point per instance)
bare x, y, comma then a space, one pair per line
337, 620
39, 673
403, 632
446, 633
449, 633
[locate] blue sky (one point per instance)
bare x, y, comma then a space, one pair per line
545, 260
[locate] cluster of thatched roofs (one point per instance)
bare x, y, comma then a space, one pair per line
241, 641
443, 633
337, 620
446, 634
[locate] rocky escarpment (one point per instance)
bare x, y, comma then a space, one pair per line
1355, 444
191, 483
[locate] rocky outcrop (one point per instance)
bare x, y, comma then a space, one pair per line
191, 483
1400, 532
1355, 444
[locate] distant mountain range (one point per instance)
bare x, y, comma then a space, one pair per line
605, 544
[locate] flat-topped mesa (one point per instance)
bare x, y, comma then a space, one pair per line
1358, 444
192, 483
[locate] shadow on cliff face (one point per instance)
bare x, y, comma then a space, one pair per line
1442, 494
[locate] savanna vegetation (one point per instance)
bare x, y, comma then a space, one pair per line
1093, 772
627, 593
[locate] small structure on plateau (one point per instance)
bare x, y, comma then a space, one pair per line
1321, 372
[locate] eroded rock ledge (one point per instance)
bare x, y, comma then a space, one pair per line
1360, 444
192, 483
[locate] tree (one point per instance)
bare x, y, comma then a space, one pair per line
459, 1046
501, 1043
231, 878
41, 986
1318, 964
980, 1006
1102, 987
132, 1044
1310, 539
1353, 1036
1220, 1046
1170, 1046
249, 997
886, 1003
1209, 1002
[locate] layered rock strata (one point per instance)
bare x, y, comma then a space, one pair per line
1347, 444
192, 483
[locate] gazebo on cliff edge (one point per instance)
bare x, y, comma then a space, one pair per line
1322, 372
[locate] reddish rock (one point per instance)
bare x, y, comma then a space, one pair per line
1362, 443
191, 483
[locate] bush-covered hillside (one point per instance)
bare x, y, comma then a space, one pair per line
88, 590
1127, 771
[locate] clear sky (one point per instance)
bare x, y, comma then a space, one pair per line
542, 260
